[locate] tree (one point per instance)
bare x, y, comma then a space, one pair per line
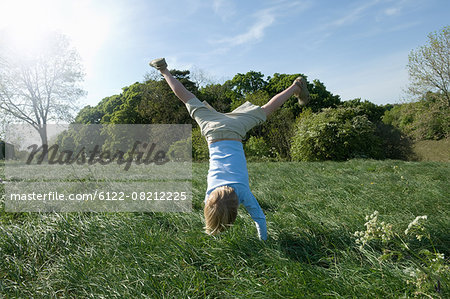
246, 83
426, 119
320, 96
373, 112
217, 95
429, 66
153, 102
89, 115
150, 102
102, 112
40, 86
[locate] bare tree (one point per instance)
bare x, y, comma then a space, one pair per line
40, 86
429, 66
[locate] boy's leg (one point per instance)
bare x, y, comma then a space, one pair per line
278, 100
298, 88
180, 91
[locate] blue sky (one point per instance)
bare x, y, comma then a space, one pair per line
356, 48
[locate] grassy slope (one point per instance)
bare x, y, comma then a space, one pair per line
312, 210
432, 150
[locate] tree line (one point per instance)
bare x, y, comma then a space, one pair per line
152, 102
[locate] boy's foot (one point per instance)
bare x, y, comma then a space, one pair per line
159, 64
303, 93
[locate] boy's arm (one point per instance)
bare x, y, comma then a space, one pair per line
257, 214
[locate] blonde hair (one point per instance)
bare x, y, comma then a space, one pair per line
220, 210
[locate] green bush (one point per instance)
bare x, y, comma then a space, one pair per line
180, 150
335, 134
395, 144
177, 151
277, 130
374, 112
428, 119
200, 150
256, 149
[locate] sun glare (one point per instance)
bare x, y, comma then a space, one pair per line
23, 25
26, 22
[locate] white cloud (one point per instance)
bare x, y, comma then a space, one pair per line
400, 6
351, 15
391, 11
368, 15
254, 33
224, 9
264, 18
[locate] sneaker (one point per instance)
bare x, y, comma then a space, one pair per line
159, 64
303, 94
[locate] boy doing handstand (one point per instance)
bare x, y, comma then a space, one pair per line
228, 183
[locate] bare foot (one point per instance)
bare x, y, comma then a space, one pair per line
301, 92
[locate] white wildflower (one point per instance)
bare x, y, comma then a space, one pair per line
416, 224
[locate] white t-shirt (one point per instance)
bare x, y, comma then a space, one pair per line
228, 167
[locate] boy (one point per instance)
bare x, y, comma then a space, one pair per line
228, 184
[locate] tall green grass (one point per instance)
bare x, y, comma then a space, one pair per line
432, 150
312, 210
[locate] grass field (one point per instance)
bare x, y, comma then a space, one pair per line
432, 150
312, 210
